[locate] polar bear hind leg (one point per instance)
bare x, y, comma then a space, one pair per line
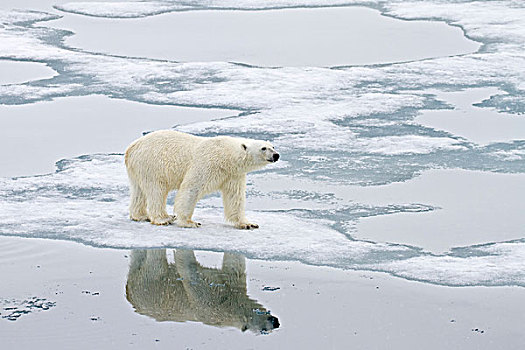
137, 206
156, 205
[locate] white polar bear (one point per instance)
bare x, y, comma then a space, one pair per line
168, 160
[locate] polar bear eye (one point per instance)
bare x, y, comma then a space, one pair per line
263, 149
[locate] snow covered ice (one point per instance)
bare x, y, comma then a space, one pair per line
337, 128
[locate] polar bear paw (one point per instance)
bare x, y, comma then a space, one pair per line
188, 223
163, 220
246, 226
139, 217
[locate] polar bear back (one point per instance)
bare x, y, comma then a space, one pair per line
165, 156
161, 157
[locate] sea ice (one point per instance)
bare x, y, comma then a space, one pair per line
346, 125
85, 201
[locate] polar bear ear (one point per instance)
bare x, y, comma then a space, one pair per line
244, 147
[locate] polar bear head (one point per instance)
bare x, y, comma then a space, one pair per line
259, 153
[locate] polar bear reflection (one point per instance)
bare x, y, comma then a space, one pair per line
187, 291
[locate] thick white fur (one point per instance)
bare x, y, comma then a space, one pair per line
168, 160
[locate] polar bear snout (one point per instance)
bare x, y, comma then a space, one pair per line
273, 158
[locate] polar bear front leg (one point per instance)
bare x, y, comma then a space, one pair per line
234, 199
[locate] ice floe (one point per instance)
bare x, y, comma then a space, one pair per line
85, 201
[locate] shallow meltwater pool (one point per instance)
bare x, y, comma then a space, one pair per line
290, 37
16, 72
65, 295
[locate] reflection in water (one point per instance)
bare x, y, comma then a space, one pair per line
186, 291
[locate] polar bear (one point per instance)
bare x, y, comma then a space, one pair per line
184, 290
168, 160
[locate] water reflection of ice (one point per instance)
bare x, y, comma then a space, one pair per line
350, 125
